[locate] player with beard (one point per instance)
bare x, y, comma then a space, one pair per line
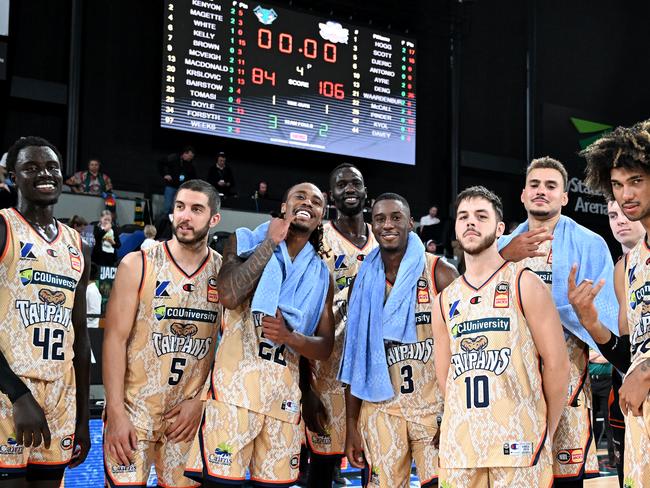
44, 345
544, 195
161, 327
493, 327
618, 165
346, 242
252, 421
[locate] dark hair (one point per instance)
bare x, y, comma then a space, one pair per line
188, 148
22, 143
484, 193
214, 201
549, 162
339, 168
221, 154
624, 147
316, 237
77, 220
392, 196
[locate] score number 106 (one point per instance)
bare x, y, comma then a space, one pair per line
326, 88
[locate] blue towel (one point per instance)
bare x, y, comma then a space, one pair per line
573, 243
371, 321
298, 288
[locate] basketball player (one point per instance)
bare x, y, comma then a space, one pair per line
618, 166
44, 345
493, 328
346, 240
544, 195
252, 421
390, 434
161, 326
628, 234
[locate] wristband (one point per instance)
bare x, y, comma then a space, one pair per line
617, 351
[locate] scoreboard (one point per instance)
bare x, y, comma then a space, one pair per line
262, 73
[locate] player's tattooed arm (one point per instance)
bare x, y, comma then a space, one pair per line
81, 363
238, 277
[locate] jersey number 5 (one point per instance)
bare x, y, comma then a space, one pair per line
176, 371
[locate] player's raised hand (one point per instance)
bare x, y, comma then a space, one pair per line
185, 419
120, 438
81, 444
278, 229
354, 447
526, 245
31, 424
581, 297
275, 328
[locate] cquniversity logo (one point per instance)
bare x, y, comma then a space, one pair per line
26, 276
160, 312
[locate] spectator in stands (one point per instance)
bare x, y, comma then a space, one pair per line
431, 246
175, 169
77, 223
93, 298
433, 228
431, 218
262, 191
106, 241
91, 181
150, 237
220, 176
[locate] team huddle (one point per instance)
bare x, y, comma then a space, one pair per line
345, 338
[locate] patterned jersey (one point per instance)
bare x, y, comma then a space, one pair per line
579, 384
637, 291
495, 411
171, 346
37, 286
343, 260
254, 373
417, 396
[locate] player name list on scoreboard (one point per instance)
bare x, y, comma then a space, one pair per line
263, 73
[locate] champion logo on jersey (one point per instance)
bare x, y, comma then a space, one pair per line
161, 289
188, 287
51, 252
339, 262
26, 250
475, 300
453, 309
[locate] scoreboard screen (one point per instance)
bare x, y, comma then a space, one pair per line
262, 73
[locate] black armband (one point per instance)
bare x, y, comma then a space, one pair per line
10, 384
617, 351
